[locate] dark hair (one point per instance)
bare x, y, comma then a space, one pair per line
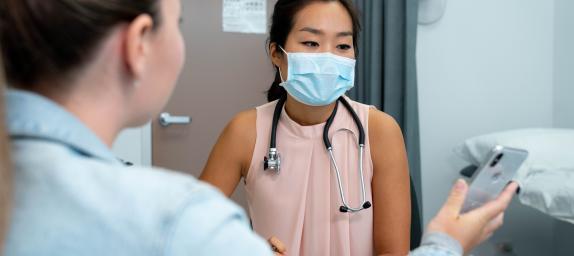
48, 39
282, 22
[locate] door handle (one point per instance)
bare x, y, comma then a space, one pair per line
166, 119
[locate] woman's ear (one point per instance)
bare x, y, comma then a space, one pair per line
137, 45
276, 54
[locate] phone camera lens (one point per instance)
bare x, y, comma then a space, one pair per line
496, 160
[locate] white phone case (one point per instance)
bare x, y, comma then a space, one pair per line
491, 178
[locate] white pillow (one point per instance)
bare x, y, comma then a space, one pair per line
547, 175
548, 149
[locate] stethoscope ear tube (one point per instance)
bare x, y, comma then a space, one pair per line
345, 207
364, 203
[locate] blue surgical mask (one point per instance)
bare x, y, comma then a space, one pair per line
318, 79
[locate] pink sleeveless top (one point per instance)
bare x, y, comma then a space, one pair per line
300, 205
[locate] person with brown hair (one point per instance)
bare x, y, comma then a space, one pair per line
80, 72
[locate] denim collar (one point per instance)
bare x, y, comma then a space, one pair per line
32, 116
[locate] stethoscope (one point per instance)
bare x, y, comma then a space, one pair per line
273, 159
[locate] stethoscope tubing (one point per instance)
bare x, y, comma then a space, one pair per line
273, 153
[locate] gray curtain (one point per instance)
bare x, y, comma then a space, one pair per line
386, 70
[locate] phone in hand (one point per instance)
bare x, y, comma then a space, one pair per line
493, 175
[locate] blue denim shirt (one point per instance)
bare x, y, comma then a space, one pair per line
73, 197
438, 244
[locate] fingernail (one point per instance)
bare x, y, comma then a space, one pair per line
459, 186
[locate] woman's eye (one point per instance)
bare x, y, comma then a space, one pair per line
343, 47
310, 44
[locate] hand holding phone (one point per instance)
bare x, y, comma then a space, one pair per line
493, 175
474, 227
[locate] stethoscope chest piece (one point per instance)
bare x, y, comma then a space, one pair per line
272, 161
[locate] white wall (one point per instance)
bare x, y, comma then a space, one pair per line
563, 103
564, 64
486, 66
134, 145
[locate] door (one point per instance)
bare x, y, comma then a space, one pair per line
224, 74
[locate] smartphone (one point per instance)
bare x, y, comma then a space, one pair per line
493, 175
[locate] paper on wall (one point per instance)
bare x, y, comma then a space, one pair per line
245, 16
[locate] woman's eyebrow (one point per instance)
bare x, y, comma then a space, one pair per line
320, 32
345, 34
312, 31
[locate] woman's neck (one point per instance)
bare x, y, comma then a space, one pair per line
100, 116
306, 115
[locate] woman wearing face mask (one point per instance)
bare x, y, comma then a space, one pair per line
312, 44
